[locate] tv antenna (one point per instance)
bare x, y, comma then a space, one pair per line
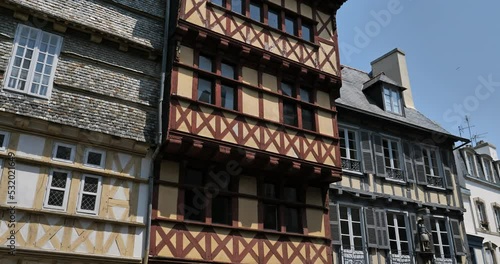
472, 137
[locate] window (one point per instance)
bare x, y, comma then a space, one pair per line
63, 152
307, 32
481, 215
441, 241
487, 170
255, 11
196, 199
351, 236
33, 62
496, 177
207, 86
271, 216
237, 6
291, 108
56, 195
432, 173
288, 197
94, 158
398, 238
290, 25
392, 159
292, 213
90, 195
392, 100
349, 150
496, 212
471, 166
4, 140
192, 209
273, 18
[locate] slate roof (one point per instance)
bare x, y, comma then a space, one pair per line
383, 78
353, 97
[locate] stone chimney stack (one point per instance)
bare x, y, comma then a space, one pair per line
486, 148
393, 64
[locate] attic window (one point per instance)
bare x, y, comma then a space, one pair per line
392, 101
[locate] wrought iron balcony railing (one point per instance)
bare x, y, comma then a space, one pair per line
351, 165
395, 174
436, 181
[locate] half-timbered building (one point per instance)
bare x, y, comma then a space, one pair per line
398, 201
78, 106
251, 144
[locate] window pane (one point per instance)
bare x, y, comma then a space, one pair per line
94, 158
194, 177
271, 217
59, 179
273, 18
255, 12
292, 220
290, 114
56, 198
287, 89
227, 97
227, 70
193, 210
88, 202
307, 119
237, 6
205, 63
305, 95
290, 25
355, 214
290, 194
307, 32
219, 2
63, 152
2, 139
270, 190
90, 184
221, 210
205, 93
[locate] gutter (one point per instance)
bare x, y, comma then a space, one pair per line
160, 139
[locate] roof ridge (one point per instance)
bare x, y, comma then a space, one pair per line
352, 68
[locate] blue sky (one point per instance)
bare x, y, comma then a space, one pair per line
452, 50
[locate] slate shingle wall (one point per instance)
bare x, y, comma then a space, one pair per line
96, 87
103, 16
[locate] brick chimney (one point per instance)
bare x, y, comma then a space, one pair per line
393, 64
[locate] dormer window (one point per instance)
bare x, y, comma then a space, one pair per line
392, 101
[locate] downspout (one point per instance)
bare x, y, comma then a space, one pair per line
159, 139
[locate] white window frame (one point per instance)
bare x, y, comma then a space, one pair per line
488, 172
392, 105
49, 188
6, 135
481, 213
433, 173
103, 158
72, 156
348, 150
350, 231
496, 214
34, 58
471, 168
81, 193
434, 222
398, 239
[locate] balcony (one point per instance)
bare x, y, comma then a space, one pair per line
351, 165
394, 174
436, 181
